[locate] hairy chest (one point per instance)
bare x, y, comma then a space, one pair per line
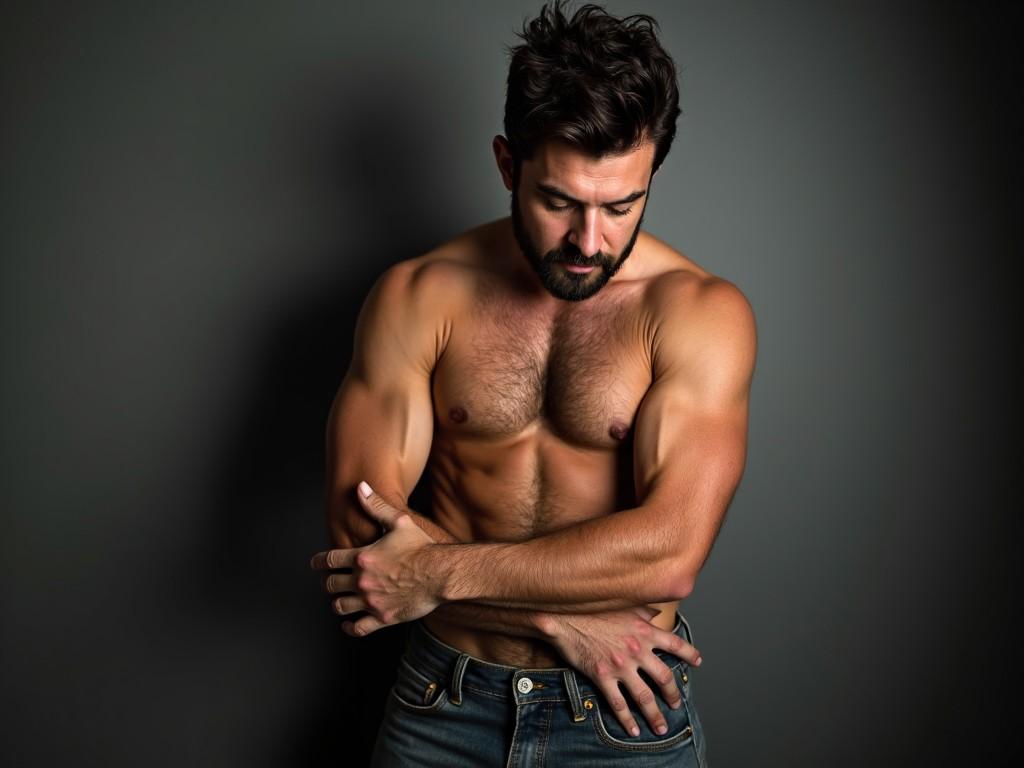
578, 373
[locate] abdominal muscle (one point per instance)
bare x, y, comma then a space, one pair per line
515, 490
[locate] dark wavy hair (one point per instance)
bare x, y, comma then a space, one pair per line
600, 82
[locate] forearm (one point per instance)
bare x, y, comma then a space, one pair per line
622, 579
508, 616
614, 562
519, 622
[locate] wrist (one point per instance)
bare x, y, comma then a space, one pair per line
430, 561
451, 566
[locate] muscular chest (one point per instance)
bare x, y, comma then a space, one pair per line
580, 372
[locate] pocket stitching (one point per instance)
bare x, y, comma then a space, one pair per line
434, 706
648, 746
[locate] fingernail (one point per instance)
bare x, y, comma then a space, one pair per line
365, 489
634, 731
661, 730
675, 704
698, 661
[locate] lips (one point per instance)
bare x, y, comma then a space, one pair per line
579, 268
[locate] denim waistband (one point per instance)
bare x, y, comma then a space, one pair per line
437, 659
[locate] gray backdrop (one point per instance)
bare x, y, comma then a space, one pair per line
196, 197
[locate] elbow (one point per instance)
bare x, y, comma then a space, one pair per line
683, 586
677, 583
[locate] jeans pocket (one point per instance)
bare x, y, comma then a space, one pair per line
418, 691
680, 732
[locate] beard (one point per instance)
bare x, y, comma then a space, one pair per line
558, 281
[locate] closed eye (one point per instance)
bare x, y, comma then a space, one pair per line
551, 205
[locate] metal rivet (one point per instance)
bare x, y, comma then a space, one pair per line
687, 732
588, 704
429, 693
686, 678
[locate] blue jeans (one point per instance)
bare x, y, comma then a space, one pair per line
450, 709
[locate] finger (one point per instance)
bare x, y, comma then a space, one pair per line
660, 673
644, 697
348, 604
612, 694
376, 507
676, 646
334, 558
340, 582
365, 626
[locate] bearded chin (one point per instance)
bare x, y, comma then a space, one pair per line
560, 283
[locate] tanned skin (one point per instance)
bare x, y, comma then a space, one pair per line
582, 453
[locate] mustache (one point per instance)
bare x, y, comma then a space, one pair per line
570, 254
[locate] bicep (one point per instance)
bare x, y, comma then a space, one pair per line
382, 437
682, 450
381, 423
691, 432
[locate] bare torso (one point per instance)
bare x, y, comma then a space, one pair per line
534, 403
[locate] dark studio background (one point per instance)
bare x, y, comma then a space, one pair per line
196, 198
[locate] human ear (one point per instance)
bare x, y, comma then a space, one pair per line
503, 157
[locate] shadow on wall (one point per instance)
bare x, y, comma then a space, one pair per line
268, 487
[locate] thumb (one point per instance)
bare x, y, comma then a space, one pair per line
376, 507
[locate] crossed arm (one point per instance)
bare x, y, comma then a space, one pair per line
689, 453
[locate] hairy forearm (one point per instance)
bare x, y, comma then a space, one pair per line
493, 618
614, 562
496, 589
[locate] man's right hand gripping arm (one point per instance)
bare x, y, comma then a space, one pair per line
380, 430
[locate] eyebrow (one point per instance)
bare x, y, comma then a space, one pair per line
547, 189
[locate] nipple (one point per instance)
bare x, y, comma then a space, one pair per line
618, 430
458, 414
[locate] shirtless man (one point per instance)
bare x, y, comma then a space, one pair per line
578, 390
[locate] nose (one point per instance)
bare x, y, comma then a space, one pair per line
586, 232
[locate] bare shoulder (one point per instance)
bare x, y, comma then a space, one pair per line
702, 322
414, 303
679, 289
443, 277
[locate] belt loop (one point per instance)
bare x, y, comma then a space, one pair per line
457, 673
578, 713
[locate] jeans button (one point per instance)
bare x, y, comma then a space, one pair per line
525, 685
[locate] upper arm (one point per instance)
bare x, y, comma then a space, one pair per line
381, 423
690, 440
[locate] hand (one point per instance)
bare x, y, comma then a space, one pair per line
610, 648
385, 579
